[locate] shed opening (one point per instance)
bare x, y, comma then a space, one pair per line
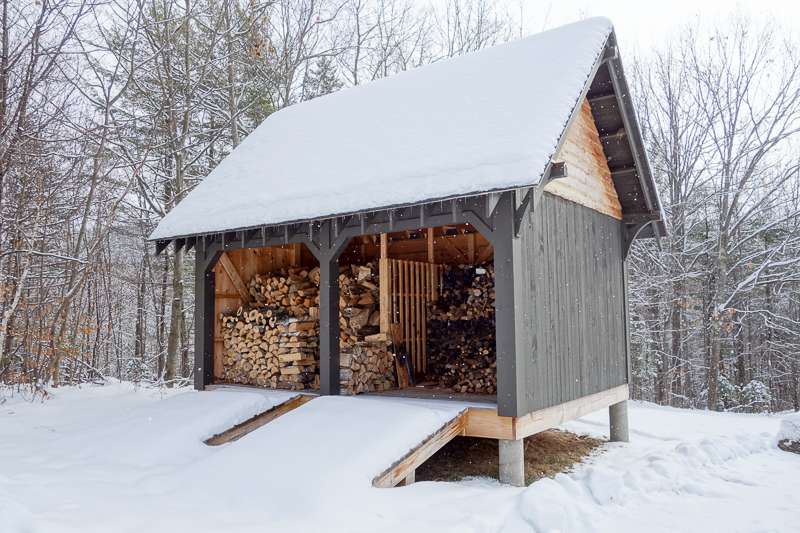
416, 314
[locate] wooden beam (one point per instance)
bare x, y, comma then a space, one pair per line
226, 263
403, 468
161, 246
601, 98
458, 255
471, 247
383, 286
409, 480
240, 430
431, 255
487, 424
204, 318
484, 255
558, 414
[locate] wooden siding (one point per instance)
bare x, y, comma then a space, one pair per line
574, 307
589, 182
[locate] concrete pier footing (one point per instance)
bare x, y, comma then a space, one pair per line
512, 462
618, 419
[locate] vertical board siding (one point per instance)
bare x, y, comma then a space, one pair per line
575, 309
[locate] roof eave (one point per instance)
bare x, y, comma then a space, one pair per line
636, 140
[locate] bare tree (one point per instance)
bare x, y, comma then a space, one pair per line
720, 110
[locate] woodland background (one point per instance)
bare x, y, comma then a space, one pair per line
111, 111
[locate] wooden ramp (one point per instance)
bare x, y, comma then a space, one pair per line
248, 426
405, 467
382, 440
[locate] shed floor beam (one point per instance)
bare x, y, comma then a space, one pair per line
487, 424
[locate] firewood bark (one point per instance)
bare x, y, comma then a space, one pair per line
273, 342
461, 331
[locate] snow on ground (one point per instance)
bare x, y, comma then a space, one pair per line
790, 428
113, 458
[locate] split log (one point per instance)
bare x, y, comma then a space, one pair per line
461, 342
274, 341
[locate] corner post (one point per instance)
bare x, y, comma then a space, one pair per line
509, 316
618, 422
205, 285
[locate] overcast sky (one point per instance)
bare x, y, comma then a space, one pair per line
642, 23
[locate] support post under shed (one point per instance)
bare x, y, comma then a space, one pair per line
618, 420
512, 462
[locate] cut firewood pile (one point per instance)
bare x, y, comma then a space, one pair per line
275, 342
366, 364
461, 330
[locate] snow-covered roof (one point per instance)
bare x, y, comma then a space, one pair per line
485, 121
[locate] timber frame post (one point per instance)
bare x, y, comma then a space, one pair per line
509, 316
205, 285
331, 247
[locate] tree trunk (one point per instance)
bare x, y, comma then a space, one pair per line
161, 320
675, 334
139, 346
176, 319
717, 329
232, 108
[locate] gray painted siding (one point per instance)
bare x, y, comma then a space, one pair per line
574, 306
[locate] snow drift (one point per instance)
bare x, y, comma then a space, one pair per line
120, 459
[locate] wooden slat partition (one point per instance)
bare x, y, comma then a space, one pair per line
412, 285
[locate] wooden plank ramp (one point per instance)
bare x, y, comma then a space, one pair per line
405, 467
248, 426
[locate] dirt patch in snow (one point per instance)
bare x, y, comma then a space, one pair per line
789, 446
546, 454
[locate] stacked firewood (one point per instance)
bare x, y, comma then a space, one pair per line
366, 367
366, 364
275, 342
461, 330
294, 291
268, 351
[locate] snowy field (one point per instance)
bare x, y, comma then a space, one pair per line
115, 459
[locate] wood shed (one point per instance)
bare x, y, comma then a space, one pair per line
458, 229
